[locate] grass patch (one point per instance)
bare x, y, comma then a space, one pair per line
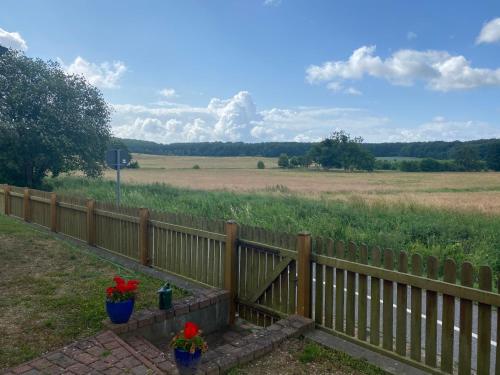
313, 352
52, 292
463, 236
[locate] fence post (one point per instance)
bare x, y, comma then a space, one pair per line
304, 274
27, 205
6, 195
144, 236
230, 283
53, 212
91, 222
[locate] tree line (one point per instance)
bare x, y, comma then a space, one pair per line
438, 150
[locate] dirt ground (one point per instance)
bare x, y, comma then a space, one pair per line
297, 357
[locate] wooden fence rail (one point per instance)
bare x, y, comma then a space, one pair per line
385, 301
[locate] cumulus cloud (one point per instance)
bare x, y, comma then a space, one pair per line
12, 40
103, 75
237, 119
168, 93
438, 69
490, 33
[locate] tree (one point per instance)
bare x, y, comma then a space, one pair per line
493, 157
430, 165
50, 122
261, 165
283, 161
340, 150
466, 158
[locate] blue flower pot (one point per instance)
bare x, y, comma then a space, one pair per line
120, 312
187, 363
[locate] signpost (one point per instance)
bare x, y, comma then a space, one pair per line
116, 160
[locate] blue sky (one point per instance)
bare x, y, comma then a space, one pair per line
276, 70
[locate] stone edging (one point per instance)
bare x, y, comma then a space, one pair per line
180, 307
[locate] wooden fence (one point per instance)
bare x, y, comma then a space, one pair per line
376, 298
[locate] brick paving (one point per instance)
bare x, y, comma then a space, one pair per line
109, 353
105, 353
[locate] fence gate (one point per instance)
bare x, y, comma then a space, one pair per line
267, 276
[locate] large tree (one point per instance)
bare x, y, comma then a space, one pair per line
340, 150
50, 122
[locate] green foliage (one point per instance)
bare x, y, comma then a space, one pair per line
261, 165
460, 235
196, 166
430, 165
283, 161
134, 164
294, 162
493, 157
341, 151
313, 353
409, 166
466, 158
50, 122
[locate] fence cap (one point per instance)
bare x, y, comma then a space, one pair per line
304, 233
231, 221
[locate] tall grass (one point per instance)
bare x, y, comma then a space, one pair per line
444, 233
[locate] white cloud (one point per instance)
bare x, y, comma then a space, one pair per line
12, 40
411, 35
168, 93
337, 87
104, 75
272, 3
237, 119
438, 69
490, 33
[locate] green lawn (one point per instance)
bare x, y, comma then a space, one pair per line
52, 292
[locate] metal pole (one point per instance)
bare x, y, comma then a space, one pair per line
118, 162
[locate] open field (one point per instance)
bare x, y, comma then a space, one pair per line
462, 235
469, 191
53, 292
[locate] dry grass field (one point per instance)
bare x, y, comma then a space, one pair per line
463, 191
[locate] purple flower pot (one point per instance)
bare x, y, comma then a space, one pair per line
120, 312
187, 363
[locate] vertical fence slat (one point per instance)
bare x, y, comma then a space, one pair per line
7, 200
448, 326
465, 340
351, 293
402, 301
144, 236
53, 212
388, 295
484, 324
416, 311
304, 274
329, 287
27, 205
375, 300
318, 305
431, 315
362, 294
339, 291
230, 256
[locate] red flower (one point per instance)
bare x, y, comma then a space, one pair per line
118, 280
190, 330
110, 290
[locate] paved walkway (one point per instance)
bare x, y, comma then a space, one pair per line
105, 353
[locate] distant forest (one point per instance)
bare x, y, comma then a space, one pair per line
436, 150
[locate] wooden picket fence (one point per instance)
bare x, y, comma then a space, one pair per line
375, 298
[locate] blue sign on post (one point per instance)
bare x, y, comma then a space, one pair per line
115, 160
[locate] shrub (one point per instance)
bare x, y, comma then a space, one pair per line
283, 161
196, 166
261, 165
134, 164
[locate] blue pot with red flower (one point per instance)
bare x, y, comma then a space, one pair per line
188, 347
187, 362
120, 312
120, 300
